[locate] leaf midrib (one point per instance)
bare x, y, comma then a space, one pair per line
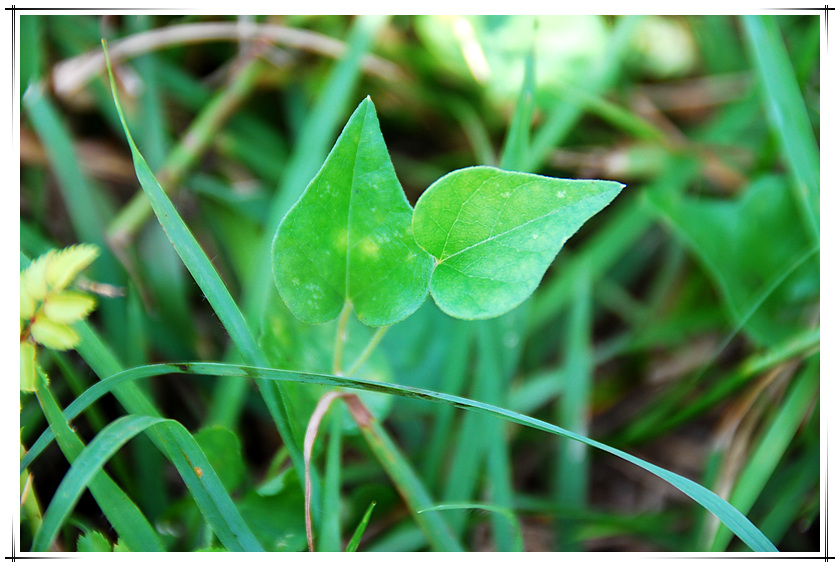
355, 176
349, 243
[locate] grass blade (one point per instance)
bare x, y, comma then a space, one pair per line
728, 514
330, 532
85, 467
796, 486
104, 363
787, 114
128, 521
189, 150
515, 151
353, 544
506, 513
211, 285
218, 508
207, 489
191, 253
493, 376
409, 486
306, 157
573, 410
770, 448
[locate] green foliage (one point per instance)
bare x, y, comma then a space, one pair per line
293, 344
353, 544
348, 239
224, 451
494, 234
276, 519
768, 284
681, 323
382, 446
93, 542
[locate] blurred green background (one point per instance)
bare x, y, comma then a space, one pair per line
680, 325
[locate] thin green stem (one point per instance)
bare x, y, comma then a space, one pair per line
340, 337
374, 340
192, 145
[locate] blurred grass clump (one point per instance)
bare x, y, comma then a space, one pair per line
680, 325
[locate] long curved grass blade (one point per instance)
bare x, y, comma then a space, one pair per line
99, 357
729, 515
85, 467
207, 489
772, 445
190, 251
507, 513
209, 281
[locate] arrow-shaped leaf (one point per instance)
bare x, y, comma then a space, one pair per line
348, 238
495, 232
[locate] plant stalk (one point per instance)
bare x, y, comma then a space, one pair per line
374, 341
340, 338
190, 148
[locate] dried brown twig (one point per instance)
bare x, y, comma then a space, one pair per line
71, 75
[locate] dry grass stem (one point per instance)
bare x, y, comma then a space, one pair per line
71, 75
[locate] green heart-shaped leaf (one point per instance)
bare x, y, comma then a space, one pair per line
348, 238
495, 233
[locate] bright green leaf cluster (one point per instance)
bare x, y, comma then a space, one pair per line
48, 308
480, 238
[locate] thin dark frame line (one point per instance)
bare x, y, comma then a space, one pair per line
14, 557
14, 59
825, 9
99, 9
759, 557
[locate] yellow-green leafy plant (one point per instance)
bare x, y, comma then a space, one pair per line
49, 305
